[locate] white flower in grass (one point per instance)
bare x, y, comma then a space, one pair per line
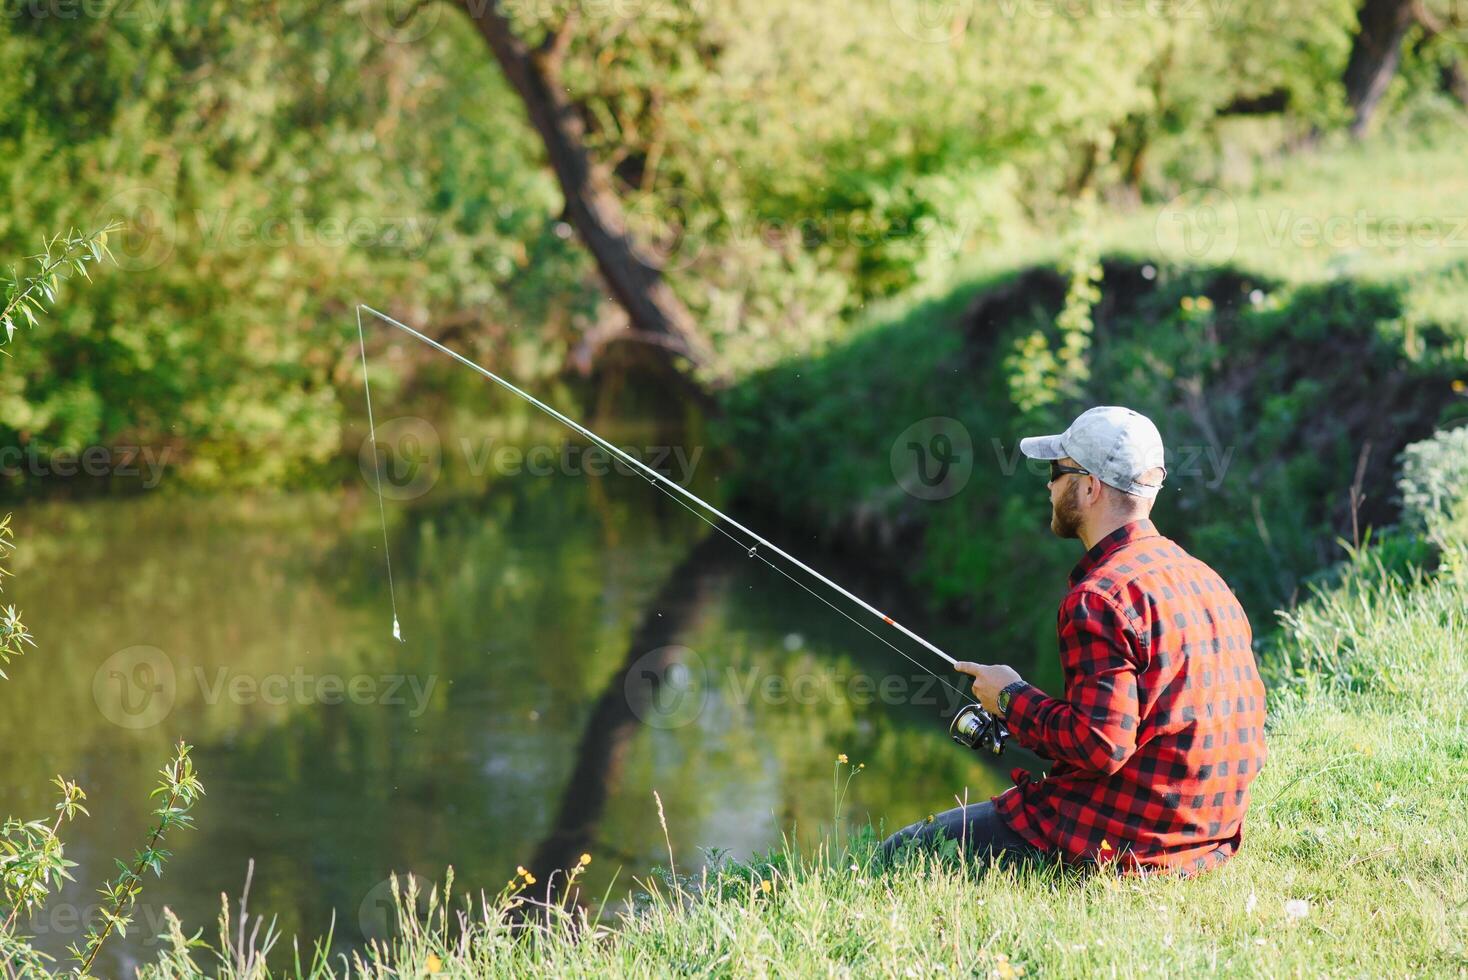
1296, 909
1250, 903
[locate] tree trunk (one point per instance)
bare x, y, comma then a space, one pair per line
654, 312
627, 703
1455, 81
1374, 56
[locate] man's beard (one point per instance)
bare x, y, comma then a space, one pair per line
1065, 516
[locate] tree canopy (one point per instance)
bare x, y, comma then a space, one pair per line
785, 164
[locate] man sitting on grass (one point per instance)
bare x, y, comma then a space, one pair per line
1160, 729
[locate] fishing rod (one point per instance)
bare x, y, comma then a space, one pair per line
972, 726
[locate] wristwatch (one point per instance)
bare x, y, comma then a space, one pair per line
1007, 695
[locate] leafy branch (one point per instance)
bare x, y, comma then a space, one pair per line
64, 256
14, 637
30, 854
180, 787
27, 296
31, 865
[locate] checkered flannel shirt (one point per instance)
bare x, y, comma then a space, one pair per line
1161, 729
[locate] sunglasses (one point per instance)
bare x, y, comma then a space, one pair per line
1057, 470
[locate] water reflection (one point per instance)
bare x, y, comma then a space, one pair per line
572, 645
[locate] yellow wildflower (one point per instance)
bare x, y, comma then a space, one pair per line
1105, 844
1006, 970
841, 758
765, 886
1187, 302
529, 878
434, 964
585, 860
1459, 385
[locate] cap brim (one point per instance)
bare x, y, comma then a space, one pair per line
1043, 447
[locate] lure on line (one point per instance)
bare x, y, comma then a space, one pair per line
972, 726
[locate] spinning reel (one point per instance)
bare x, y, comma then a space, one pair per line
979, 730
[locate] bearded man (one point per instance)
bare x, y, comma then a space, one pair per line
1159, 729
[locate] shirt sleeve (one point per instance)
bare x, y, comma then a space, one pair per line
1094, 727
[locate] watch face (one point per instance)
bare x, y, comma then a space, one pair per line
1006, 696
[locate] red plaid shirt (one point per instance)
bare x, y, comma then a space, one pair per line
1161, 729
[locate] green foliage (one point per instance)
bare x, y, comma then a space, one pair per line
14, 637
275, 165
1434, 477
1355, 817
272, 167
179, 788
1266, 395
32, 860
64, 255
30, 297
1039, 376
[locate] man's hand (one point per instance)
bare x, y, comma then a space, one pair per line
989, 680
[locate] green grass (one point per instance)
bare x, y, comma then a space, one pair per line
1358, 815
1341, 208
1302, 360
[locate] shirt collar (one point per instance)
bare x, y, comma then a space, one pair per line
1126, 534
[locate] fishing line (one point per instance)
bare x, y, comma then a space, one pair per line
973, 726
397, 630
655, 475
856, 622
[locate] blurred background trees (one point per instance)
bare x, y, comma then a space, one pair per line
777, 166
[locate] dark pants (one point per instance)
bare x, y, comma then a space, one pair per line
977, 827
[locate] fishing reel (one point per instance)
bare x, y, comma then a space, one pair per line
977, 729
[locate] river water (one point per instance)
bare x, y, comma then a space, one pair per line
572, 643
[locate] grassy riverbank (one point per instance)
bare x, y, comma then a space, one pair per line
1284, 368
1354, 862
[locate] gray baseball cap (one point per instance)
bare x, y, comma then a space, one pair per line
1116, 445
